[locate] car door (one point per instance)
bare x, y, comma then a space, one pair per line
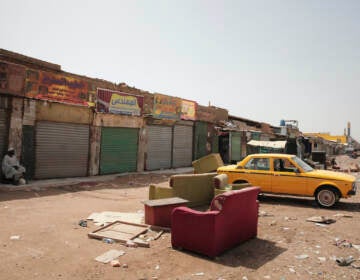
286, 177
257, 173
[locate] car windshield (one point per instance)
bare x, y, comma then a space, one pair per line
303, 165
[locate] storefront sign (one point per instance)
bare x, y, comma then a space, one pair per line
116, 102
56, 87
12, 78
188, 110
166, 107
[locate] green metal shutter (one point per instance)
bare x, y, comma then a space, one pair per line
119, 148
182, 148
200, 139
28, 150
235, 146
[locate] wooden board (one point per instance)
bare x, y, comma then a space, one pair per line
119, 231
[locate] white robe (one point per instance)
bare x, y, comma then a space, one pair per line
8, 169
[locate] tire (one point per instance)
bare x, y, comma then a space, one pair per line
326, 197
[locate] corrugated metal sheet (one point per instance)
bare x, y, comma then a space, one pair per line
3, 133
200, 140
159, 147
61, 150
235, 146
28, 150
119, 147
182, 147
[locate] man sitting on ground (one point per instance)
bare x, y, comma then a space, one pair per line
11, 168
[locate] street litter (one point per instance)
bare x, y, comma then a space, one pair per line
321, 225
302, 257
264, 214
108, 240
115, 263
322, 259
340, 215
129, 234
321, 220
15, 237
157, 267
83, 223
199, 274
343, 243
357, 247
109, 256
107, 217
345, 261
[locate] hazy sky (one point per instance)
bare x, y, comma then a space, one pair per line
264, 60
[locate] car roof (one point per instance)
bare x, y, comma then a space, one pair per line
272, 155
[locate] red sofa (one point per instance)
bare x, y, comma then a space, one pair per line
232, 219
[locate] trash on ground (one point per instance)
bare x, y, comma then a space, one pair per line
115, 263
265, 214
199, 274
109, 256
83, 223
131, 244
273, 223
321, 225
108, 240
107, 217
340, 215
302, 257
357, 247
125, 265
15, 237
292, 270
321, 220
343, 243
345, 261
157, 267
322, 259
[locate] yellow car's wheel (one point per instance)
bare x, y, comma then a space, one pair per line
326, 197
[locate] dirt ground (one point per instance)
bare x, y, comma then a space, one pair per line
53, 246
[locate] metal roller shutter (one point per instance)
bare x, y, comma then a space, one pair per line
159, 147
182, 148
235, 146
119, 147
61, 150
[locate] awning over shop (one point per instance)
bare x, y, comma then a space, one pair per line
268, 144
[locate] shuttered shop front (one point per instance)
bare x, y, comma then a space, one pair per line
62, 150
235, 146
119, 148
182, 147
159, 147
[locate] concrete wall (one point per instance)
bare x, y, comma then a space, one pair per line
15, 128
94, 153
57, 112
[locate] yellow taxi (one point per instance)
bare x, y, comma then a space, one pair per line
288, 174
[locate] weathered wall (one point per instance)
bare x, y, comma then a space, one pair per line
57, 112
112, 120
142, 148
15, 129
95, 146
29, 112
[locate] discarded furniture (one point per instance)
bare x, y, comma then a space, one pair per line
209, 163
221, 184
232, 219
124, 232
158, 211
196, 188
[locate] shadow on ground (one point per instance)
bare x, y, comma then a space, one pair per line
252, 254
121, 182
342, 205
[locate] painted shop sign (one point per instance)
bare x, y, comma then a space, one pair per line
166, 107
56, 87
188, 110
116, 102
12, 78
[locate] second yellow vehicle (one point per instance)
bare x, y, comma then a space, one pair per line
288, 174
